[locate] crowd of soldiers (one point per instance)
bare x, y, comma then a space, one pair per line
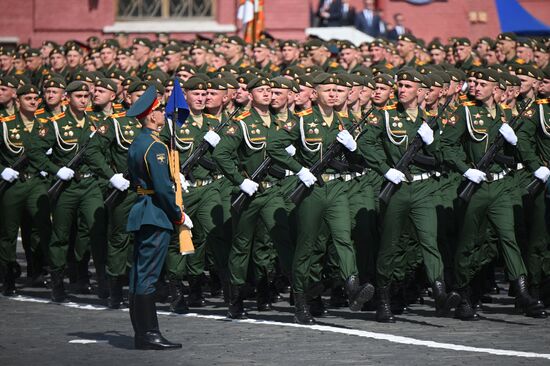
328, 117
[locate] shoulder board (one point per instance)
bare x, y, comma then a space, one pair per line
65, 102
8, 118
542, 101
243, 116
389, 66
333, 64
519, 61
305, 112
19, 72
89, 109
469, 104
117, 115
419, 63
57, 116
274, 67
39, 111
45, 72
151, 65
505, 106
118, 106
211, 69
477, 63
430, 114
289, 125
390, 107
342, 114
463, 97
94, 118
42, 120
211, 116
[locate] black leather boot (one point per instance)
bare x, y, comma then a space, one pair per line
10, 275
338, 297
398, 302
214, 283
358, 294
464, 310
102, 290
444, 301
236, 306
317, 307
58, 289
82, 285
531, 307
178, 304
263, 298
302, 314
132, 310
383, 311
148, 335
116, 300
195, 298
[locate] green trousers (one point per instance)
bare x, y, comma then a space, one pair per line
269, 208
491, 202
82, 202
24, 201
203, 205
327, 205
119, 245
412, 202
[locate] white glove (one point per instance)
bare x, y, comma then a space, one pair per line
291, 150
65, 173
346, 139
212, 138
542, 173
305, 176
476, 176
395, 176
119, 182
43, 173
426, 133
9, 175
184, 183
49, 152
249, 187
187, 221
508, 133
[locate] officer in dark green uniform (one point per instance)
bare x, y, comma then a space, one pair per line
81, 198
108, 152
33, 63
248, 138
25, 195
465, 139
151, 219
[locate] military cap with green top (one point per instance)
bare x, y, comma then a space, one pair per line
77, 86
289, 43
232, 82
305, 80
529, 70
407, 37
293, 71
195, 83
84, 76
488, 75
507, 36
235, 40
55, 83
109, 43
125, 51
245, 78
143, 42
107, 84
130, 80
511, 80
217, 84
137, 86
170, 82
31, 52
171, 50
9, 81
384, 79
258, 83
280, 82
27, 89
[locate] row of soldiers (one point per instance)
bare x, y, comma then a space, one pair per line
70, 130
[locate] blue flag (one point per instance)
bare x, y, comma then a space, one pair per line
177, 101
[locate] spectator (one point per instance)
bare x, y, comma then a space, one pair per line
348, 14
330, 13
368, 21
398, 29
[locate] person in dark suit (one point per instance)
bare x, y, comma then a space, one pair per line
398, 29
329, 13
368, 20
348, 14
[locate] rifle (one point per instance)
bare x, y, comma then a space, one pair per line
56, 189
412, 155
259, 174
488, 158
334, 150
535, 187
18, 165
203, 147
114, 193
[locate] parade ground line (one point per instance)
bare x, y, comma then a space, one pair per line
322, 328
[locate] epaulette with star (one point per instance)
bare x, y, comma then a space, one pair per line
242, 116
390, 107
343, 114
118, 106
505, 106
151, 65
274, 67
210, 116
463, 97
542, 101
118, 115
389, 66
39, 111
305, 112
469, 104
89, 109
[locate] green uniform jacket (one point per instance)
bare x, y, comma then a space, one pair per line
534, 135
14, 139
469, 133
389, 133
